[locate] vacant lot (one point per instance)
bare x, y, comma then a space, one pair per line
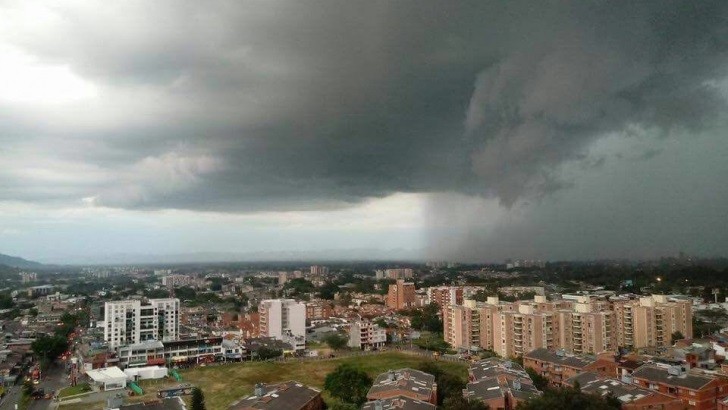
224, 384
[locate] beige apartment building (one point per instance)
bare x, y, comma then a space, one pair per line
583, 326
583, 330
650, 321
401, 295
469, 325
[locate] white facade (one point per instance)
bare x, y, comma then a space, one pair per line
282, 318
366, 335
132, 321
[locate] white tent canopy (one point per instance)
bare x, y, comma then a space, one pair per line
111, 378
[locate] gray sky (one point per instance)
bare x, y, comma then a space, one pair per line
454, 130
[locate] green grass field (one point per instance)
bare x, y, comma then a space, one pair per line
225, 384
74, 390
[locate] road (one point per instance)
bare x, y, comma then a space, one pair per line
11, 398
53, 379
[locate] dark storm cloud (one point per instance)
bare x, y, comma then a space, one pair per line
278, 105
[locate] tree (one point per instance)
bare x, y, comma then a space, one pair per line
675, 337
198, 399
426, 318
336, 341
298, 287
448, 385
569, 398
27, 388
328, 291
540, 382
348, 384
460, 403
48, 348
265, 353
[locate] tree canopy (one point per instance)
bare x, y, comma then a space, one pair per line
336, 341
348, 384
198, 399
570, 398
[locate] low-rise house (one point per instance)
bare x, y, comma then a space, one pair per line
290, 395
405, 382
694, 391
398, 403
558, 366
499, 383
366, 335
631, 396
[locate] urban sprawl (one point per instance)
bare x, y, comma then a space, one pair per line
521, 335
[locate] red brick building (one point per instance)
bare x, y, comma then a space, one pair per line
694, 391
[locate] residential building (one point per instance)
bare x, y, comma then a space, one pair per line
319, 270
401, 295
174, 281
694, 391
290, 395
579, 325
406, 382
631, 396
135, 321
558, 366
650, 321
499, 383
26, 277
401, 273
469, 326
582, 329
398, 403
283, 319
518, 332
366, 335
316, 310
445, 295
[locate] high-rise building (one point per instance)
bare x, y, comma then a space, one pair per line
650, 321
135, 321
516, 332
401, 295
27, 277
445, 295
583, 325
582, 330
470, 325
319, 270
283, 319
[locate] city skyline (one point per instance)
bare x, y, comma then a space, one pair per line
470, 132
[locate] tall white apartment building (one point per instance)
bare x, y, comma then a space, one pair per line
135, 321
283, 319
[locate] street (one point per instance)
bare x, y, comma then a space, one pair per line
53, 379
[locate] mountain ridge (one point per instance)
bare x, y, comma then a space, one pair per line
18, 262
